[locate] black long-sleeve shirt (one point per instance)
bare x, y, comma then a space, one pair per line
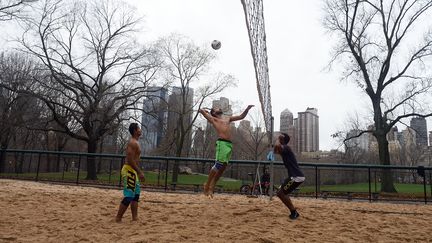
290, 162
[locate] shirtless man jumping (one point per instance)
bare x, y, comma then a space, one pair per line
131, 175
223, 144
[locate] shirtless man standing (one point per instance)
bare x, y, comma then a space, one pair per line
223, 144
131, 175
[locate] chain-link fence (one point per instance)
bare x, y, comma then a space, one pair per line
343, 181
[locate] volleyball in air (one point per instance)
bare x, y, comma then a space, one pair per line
216, 44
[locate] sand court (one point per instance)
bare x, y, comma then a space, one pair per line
40, 212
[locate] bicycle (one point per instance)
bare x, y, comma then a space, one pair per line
258, 188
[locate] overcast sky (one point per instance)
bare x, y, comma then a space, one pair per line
298, 52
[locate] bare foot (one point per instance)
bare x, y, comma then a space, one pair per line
118, 220
210, 191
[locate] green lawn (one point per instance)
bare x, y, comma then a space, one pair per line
227, 183
364, 187
151, 178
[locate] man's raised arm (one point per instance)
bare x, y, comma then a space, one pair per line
206, 115
277, 147
242, 115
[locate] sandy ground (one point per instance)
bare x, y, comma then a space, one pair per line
38, 212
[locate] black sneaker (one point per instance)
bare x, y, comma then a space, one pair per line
294, 215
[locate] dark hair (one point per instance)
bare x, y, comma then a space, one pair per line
133, 127
214, 113
286, 138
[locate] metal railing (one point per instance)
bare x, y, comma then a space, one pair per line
347, 181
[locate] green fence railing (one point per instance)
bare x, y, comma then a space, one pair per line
323, 180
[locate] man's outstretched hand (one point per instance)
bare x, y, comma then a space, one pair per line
270, 156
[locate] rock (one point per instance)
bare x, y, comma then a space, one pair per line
185, 170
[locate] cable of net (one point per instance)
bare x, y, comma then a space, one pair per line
254, 14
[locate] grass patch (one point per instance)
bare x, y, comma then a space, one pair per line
152, 178
364, 187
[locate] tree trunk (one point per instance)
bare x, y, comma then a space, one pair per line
91, 160
384, 156
3, 159
48, 164
20, 163
176, 169
66, 164
57, 169
99, 165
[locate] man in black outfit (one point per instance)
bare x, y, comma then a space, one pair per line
265, 181
295, 175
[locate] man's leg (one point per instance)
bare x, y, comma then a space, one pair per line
286, 200
122, 208
134, 206
134, 209
287, 187
215, 172
211, 175
216, 177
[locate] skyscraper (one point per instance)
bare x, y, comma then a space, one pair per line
430, 138
154, 119
180, 111
307, 130
287, 126
198, 142
286, 120
245, 126
418, 124
224, 104
361, 142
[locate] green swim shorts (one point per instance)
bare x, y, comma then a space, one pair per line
223, 150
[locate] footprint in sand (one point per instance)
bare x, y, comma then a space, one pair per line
239, 213
8, 238
264, 240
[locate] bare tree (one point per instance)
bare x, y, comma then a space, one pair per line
95, 71
252, 141
10, 9
376, 38
16, 108
185, 67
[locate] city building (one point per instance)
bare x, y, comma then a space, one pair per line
430, 138
418, 124
361, 142
154, 119
224, 104
286, 120
180, 114
287, 125
307, 131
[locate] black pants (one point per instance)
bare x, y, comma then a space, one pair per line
289, 185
